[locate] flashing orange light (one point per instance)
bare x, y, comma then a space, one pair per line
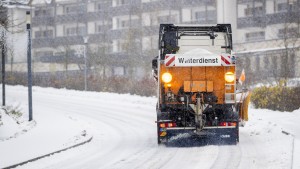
166, 77
229, 77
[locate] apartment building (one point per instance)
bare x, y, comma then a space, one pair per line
121, 35
268, 38
14, 35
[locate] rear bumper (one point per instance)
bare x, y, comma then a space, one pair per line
216, 131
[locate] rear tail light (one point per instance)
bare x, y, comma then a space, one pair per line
227, 124
165, 125
162, 125
223, 124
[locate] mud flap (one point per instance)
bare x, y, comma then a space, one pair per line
224, 135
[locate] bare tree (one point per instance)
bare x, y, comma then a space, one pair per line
290, 34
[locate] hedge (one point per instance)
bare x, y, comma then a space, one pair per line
279, 98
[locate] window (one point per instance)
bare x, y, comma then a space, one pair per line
266, 62
274, 63
205, 16
103, 4
121, 23
149, 42
73, 9
282, 7
200, 16
124, 24
257, 64
81, 31
119, 71
43, 12
255, 36
102, 28
104, 48
44, 34
120, 2
254, 11
167, 19
211, 15
44, 53
288, 33
73, 31
285, 7
144, 1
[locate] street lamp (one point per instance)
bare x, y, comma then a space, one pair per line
85, 40
28, 22
3, 68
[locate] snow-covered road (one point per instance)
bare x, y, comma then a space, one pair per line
124, 135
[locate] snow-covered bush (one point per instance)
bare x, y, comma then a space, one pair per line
117, 84
278, 97
13, 111
1, 123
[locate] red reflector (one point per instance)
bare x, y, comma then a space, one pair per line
223, 124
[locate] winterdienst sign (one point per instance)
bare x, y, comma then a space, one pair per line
198, 60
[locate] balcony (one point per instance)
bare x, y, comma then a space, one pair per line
98, 15
68, 40
161, 5
249, 1
43, 20
151, 30
99, 38
42, 42
283, 17
133, 8
246, 22
71, 18
61, 59
58, 41
197, 2
268, 19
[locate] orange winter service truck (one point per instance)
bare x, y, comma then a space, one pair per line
196, 82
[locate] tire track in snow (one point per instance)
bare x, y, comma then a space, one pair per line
119, 118
229, 157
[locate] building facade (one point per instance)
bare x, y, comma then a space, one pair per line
13, 32
268, 38
122, 34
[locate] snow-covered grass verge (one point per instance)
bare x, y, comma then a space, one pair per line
278, 134
12, 123
50, 130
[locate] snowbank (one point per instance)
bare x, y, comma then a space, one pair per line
9, 126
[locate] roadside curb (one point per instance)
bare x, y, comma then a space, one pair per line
47, 155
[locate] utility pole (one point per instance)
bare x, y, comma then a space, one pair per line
85, 39
3, 69
3, 28
28, 22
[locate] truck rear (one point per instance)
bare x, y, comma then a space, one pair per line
196, 82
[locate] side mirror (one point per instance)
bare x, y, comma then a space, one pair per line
154, 68
154, 63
